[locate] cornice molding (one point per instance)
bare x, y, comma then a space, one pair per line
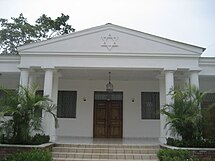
10, 58
111, 54
208, 61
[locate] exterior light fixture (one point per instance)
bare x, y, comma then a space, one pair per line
109, 85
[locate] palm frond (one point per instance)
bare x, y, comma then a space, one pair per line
52, 110
24, 106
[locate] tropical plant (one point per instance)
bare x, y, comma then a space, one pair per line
21, 113
184, 114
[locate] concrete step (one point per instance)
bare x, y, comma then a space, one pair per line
103, 155
135, 146
83, 159
104, 152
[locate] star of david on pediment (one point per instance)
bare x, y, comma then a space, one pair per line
109, 41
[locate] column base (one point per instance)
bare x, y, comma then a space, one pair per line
162, 140
53, 138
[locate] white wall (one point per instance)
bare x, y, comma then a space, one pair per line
207, 84
10, 82
133, 126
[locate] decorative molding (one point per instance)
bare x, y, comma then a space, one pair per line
109, 41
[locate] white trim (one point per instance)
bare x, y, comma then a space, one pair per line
209, 61
10, 58
185, 148
112, 54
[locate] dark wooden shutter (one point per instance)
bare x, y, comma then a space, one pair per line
208, 108
150, 105
66, 104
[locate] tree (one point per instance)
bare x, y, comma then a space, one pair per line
19, 32
184, 115
24, 107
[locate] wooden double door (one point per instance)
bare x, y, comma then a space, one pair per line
108, 119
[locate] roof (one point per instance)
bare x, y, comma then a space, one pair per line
107, 26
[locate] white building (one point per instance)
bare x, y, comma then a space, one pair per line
73, 70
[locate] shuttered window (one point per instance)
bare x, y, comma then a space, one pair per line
150, 105
208, 101
39, 111
66, 104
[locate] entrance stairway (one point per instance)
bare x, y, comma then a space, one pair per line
104, 152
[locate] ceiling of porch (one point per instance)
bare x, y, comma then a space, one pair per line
96, 74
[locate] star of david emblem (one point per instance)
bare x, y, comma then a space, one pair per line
109, 41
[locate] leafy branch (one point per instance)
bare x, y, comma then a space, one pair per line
19, 32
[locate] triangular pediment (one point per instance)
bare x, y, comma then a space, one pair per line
111, 38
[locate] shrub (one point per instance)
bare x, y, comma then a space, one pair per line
40, 139
175, 155
33, 140
168, 154
192, 143
33, 155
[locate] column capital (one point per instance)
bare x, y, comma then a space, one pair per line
55, 71
45, 69
195, 69
24, 69
169, 70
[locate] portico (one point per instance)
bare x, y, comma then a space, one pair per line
70, 69
92, 80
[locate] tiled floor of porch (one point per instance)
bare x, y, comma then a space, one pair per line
88, 140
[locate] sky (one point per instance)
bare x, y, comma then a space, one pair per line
188, 21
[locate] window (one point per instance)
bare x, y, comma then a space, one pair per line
150, 105
208, 101
208, 107
66, 104
39, 111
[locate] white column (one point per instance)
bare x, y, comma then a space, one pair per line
48, 121
166, 83
169, 84
54, 99
162, 103
55, 88
24, 74
194, 78
48, 82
